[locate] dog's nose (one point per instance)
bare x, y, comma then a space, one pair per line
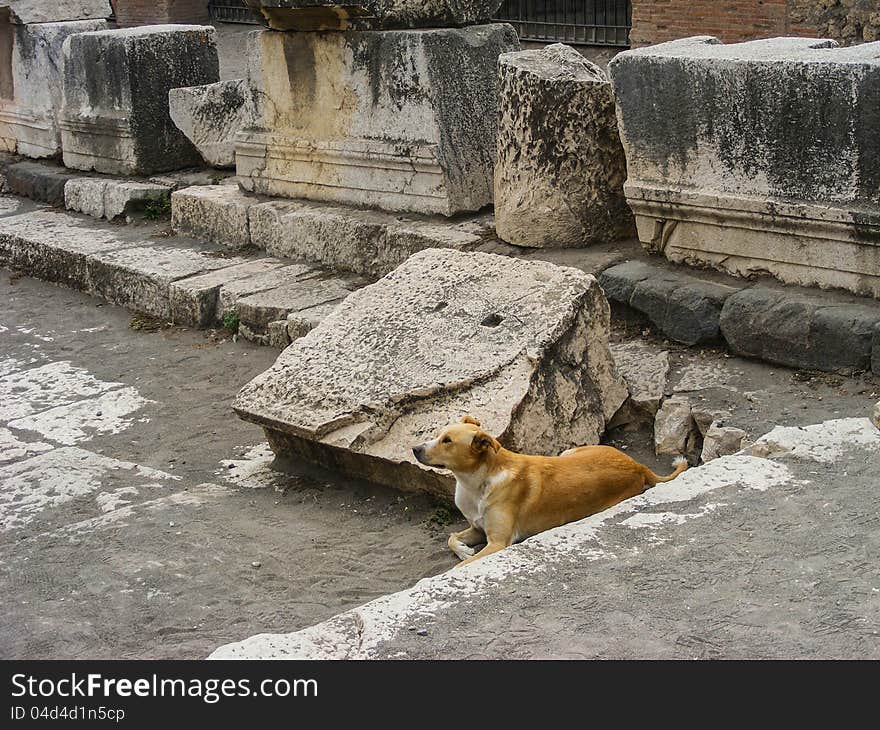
417, 450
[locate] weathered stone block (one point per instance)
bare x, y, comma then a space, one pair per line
560, 168
684, 308
722, 440
217, 213
371, 14
103, 198
115, 116
521, 345
400, 120
38, 181
645, 371
756, 157
675, 431
31, 83
50, 11
800, 331
195, 301
211, 115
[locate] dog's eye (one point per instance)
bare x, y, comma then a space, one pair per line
447, 440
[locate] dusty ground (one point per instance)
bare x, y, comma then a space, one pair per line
168, 572
102, 558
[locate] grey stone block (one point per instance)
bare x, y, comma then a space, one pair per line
211, 115
50, 11
560, 167
684, 308
521, 345
140, 277
418, 131
758, 157
115, 116
37, 181
371, 14
108, 198
31, 84
216, 213
800, 331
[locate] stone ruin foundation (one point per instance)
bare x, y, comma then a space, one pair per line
376, 109
115, 116
32, 33
758, 157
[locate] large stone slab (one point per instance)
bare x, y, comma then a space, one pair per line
371, 14
31, 80
560, 169
115, 117
211, 115
50, 11
521, 345
756, 157
367, 242
400, 120
109, 198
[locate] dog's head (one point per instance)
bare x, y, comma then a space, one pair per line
460, 447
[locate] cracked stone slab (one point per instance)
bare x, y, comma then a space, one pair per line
195, 301
140, 277
55, 246
39, 11
521, 345
49, 480
231, 291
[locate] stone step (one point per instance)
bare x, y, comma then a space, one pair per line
831, 331
367, 242
178, 279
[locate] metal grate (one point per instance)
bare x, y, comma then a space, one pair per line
231, 11
579, 22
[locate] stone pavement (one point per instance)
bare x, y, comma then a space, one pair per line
745, 557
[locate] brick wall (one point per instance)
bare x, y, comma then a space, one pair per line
149, 12
848, 21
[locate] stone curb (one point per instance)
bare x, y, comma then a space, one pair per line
176, 279
799, 328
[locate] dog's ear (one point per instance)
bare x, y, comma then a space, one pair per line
482, 441
470, 419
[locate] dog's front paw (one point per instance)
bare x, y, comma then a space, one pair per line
462, 550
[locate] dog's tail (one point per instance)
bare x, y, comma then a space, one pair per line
680, 463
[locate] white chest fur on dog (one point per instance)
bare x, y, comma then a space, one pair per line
471, 492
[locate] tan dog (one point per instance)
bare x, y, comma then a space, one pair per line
507, 497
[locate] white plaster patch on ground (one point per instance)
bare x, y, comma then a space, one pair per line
76, 422
9, 365
253, 470
823, 443
29, 487
193, 497
12, 449
24, 392
102, 328
3, 329
654, 520
699, 376
31, 332
109, 501
379, 620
